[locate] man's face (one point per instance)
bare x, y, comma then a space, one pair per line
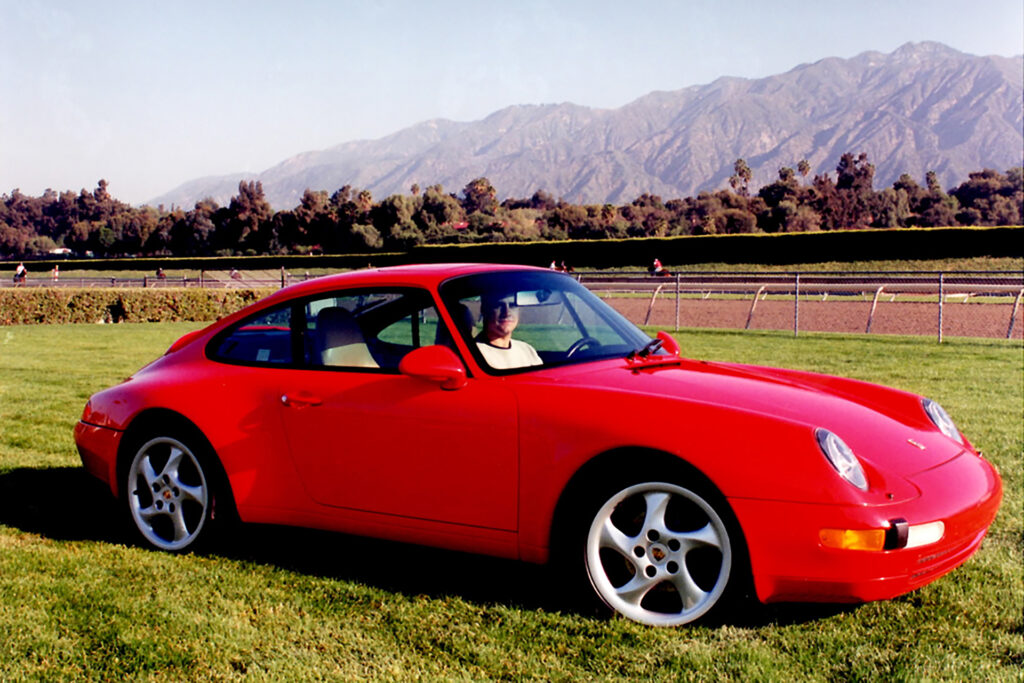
500, 317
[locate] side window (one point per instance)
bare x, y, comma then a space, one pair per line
548, 326
368, 329
262, 339
417, 329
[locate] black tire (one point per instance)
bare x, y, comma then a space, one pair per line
171, 490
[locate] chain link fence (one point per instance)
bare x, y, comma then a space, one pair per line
237, 279
940, 304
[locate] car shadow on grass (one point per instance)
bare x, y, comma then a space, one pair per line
67, 504
394, 567
61, 503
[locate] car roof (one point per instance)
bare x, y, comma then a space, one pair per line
428, 275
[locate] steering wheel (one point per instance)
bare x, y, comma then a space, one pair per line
581, 344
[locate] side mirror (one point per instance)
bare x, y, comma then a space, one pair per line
668, 343
437, 364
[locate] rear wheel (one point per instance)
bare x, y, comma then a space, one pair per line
659, 553
169, 492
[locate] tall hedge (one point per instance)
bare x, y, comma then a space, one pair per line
759, 248
756, 248
34, 305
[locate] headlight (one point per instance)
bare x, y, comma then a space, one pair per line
942, 420
842, 458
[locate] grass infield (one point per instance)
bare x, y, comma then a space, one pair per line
76, 602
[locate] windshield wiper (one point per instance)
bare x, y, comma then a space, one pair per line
650, 347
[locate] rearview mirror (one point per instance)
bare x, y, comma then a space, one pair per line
437, 364
534, 297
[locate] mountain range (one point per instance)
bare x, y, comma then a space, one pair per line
924, 107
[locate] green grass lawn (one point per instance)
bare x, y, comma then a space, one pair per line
76, 602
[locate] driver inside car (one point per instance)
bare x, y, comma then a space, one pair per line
500, 315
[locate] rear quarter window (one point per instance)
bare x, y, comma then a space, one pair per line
265, 338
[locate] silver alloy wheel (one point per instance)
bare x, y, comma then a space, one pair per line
168, 494
658, 554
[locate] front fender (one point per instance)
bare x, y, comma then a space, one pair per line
744, 454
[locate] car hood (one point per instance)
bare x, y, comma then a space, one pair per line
884, 426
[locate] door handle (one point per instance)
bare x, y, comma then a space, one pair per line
300, 400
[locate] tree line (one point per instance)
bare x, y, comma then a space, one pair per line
350, 221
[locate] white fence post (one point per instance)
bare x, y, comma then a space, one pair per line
942, 296
1013, 313
796, 306
677, 302
874, 305
753, 304
650, 309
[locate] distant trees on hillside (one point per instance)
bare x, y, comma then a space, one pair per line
351, 221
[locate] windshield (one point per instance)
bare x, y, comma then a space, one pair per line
514, 321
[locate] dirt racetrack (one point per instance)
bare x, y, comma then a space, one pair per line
959, 319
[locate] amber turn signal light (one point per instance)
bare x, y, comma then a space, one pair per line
853, 539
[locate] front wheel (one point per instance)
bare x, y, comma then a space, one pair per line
169, 494
659, 554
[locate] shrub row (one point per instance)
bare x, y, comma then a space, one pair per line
35, 305
760, 248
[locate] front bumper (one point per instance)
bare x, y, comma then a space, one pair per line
789, 562
97, 447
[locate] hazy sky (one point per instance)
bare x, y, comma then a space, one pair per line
150, 94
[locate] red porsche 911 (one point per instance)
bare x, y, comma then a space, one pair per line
509, 411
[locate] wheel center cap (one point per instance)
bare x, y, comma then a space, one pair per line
658, 553
167, 495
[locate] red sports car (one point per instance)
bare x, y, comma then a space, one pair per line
509, 411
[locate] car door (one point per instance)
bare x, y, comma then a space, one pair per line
365, 437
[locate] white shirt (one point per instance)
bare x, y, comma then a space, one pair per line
518, 355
